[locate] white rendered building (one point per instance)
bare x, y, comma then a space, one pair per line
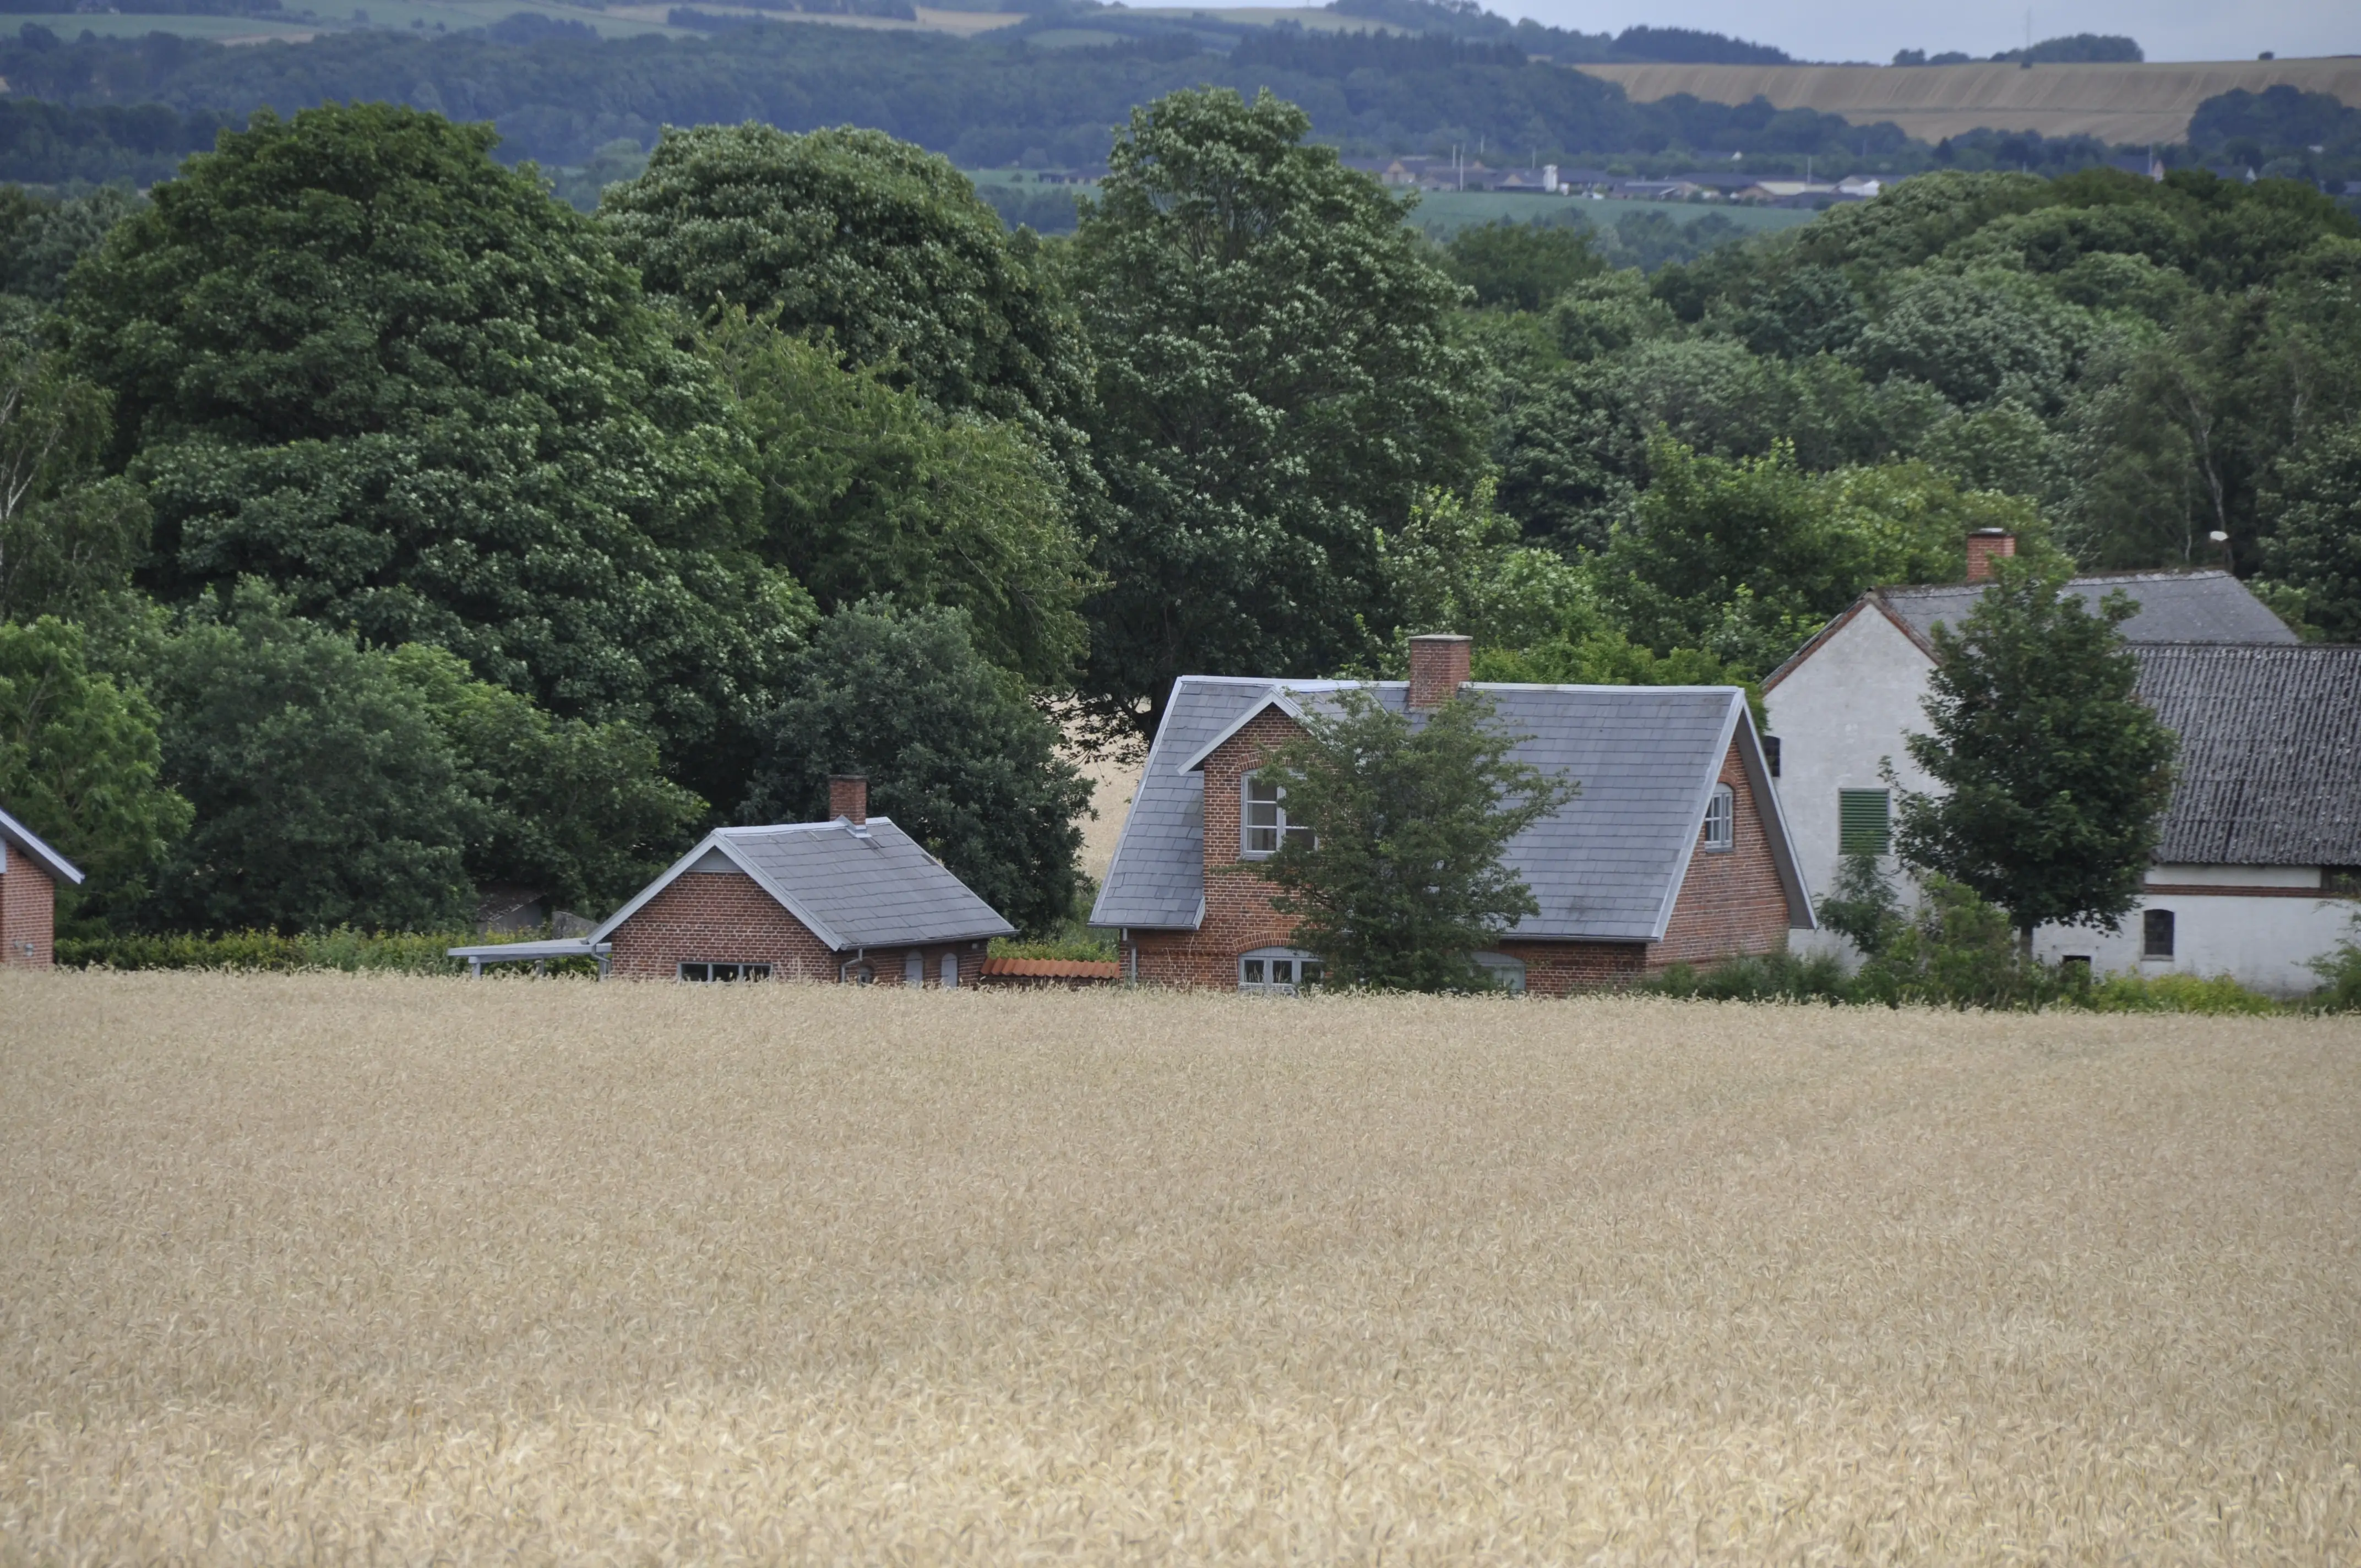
2259, 866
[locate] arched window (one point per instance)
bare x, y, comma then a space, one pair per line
1280, 971
1502, 970
1721, 818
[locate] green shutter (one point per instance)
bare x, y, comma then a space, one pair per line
1864, 822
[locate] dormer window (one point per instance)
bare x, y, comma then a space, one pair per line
1262, 820
1721, 818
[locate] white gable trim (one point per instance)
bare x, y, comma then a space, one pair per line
25, 838
719, 839
1278, 699
1712, 772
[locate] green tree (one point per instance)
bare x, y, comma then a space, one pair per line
2315, 542
875, 243
955, 754
325, 795
1521, 266
353, 356
67, 537
1746, 559
1276, 391
581, 811
80, 765
2055, 774
869, 489
1404, 876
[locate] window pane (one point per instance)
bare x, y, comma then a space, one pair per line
1282, 971
1250, 971
1314, 970
2155, 931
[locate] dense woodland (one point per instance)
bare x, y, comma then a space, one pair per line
378, 528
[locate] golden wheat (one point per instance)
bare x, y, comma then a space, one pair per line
330, 1269
2116, 102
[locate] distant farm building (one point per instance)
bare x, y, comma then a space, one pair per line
852, 899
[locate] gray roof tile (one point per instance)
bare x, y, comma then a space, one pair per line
2175, 606
1604, 867
873, 890
2269, 771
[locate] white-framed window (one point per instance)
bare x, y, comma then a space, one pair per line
1263, 826
1280, 971
703, 974
1721, 818
1502, 970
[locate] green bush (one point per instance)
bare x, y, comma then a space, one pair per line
2340, 973
2167, 993
342, 949
1773, 977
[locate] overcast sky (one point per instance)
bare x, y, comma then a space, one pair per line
1873, 29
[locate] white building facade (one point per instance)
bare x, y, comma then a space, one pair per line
2259, 868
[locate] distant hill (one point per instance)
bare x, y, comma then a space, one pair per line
2126, 104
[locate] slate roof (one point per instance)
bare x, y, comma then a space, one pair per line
2269, 771
2175, 606
868, 887
1606, 867
25, 841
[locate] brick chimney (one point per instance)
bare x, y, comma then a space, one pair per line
848, 796
1438, 668
1986, 546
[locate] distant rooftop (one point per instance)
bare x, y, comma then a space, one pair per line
2209, 606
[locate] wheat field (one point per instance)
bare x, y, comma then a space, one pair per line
339, 1268
2123, 104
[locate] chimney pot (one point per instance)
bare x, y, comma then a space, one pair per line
1439, 665
1986, 548
848, 796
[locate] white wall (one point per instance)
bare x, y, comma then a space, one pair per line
1838, 716
2262, 942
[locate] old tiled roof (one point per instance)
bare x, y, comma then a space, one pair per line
1050, 968
1606, 866
2269, 771
873, 887
2174, 607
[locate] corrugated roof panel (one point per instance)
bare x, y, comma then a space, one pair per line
2269, 769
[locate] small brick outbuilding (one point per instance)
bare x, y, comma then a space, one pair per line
852, 899
30, 874
1675, 850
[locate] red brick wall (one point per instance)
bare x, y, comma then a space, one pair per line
1558, 968
1732, 901
28, 912
1239, 916
723, 917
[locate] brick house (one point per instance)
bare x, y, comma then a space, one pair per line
1675, 850
852, 899
29, 873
